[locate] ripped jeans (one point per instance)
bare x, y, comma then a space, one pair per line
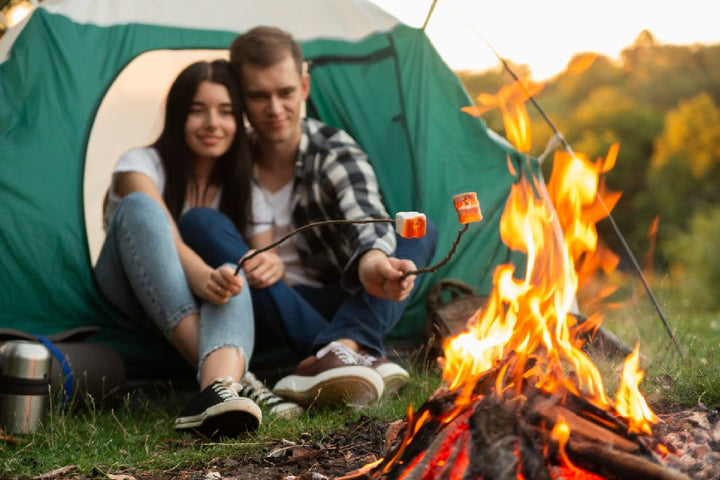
139, 272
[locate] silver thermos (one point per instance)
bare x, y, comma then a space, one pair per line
24, 385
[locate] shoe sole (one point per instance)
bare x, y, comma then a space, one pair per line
225, 419
394, 376
342, 385
287, 410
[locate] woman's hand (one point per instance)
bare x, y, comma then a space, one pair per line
264, 269
223, 284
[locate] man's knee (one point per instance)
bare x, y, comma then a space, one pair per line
200, 219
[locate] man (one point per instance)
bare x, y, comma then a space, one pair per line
335, 291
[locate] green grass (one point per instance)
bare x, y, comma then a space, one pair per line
682, 374
137, 433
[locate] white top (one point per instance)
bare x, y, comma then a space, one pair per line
279, 205
146, 160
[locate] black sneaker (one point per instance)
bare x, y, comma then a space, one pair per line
219, 411
256, 391
337, 375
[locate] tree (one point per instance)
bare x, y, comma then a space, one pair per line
695, 262
685, 167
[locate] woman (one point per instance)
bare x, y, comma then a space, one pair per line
148, 272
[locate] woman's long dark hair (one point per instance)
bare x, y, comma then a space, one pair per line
232, 171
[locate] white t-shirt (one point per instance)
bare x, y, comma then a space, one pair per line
146, 160
279, 205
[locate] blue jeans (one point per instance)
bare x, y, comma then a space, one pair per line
307, 318
139, 272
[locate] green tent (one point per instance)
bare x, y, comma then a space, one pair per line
377, 78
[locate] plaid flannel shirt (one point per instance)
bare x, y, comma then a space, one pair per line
335, 180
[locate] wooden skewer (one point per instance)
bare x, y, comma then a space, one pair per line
277, 242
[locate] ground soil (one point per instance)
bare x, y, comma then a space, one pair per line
693, 437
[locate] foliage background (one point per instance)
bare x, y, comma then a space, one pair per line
660, 102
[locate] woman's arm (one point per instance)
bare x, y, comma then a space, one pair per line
214, 285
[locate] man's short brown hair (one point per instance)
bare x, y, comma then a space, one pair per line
264, 46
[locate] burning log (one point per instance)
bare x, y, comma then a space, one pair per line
477, 433
618, 464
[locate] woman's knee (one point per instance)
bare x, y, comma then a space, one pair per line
137, 209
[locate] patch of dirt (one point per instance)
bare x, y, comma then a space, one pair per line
692, 436
338, 453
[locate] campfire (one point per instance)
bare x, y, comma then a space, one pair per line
520, 398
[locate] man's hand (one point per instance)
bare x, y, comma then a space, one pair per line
264, 269
223, 284
380, 275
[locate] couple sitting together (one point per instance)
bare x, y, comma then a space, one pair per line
183, 211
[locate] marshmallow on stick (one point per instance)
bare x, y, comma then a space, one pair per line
468, 207
410, 224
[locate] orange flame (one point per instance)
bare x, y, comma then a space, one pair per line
580, 63
530, 313
652, 237
561, 434
511, 101
629, 402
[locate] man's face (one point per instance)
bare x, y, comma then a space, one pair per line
273, 98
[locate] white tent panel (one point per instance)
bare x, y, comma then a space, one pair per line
306, 19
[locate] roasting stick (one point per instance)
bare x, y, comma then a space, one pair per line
407, 225
442, 262
467, 207
303, 228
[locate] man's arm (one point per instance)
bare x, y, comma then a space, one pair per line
380, 275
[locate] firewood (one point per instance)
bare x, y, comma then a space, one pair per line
551, 412
494, 439
619, 464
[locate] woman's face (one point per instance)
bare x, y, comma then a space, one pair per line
210, 126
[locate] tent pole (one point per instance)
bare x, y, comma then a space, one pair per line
430, 12
567, 147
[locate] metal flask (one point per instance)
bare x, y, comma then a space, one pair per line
24, 385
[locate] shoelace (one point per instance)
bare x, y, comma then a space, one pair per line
223, 387
367, 359
256, 391
345, 354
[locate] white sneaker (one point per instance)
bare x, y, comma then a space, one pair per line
394, 376
256, 390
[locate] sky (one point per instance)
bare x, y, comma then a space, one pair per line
545, 34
